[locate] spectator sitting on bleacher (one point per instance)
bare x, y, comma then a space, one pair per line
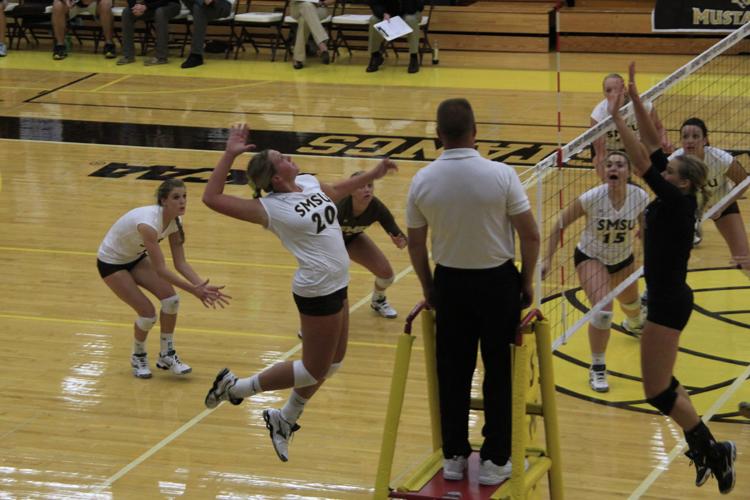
411, 12
158, 11
203, 11
62, 9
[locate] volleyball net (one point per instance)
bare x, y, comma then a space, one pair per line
715, 87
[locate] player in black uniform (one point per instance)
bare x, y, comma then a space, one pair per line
356, 213
668, 239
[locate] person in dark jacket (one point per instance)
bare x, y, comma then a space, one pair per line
159, 11
382, 10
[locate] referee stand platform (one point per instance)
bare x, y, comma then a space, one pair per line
533, 398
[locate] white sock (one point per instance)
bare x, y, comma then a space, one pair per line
166, 342
378, 295
246, 387
293, 407
139, 347
597, 358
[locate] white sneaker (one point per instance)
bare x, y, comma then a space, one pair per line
281, 432
383, 308
171, 361
139, 362
453, 468
491, 474
698, 235
598, 380
632, 326
219, 391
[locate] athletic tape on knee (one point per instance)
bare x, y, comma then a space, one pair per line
302, 377
144, 323
384, 283
602, 320
633, 306
665, 400
333, 369
170, 305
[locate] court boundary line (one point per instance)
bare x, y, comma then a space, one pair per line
203, 414
659, 469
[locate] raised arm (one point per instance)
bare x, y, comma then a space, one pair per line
650, 136
213, 195
639, 156
340, 189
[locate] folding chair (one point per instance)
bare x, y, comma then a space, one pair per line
270, 22
30, 18
348, 26
221, 22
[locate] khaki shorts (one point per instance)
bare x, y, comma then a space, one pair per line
79, 9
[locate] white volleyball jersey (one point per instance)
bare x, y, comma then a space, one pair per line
612, 136
718, 162
123, 243
306, 223
608, 235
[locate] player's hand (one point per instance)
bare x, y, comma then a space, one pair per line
211, 295
237, 143
614, 103
385, 166
400, 241
632, 89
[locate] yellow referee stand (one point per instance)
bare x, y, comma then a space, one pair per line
533, 398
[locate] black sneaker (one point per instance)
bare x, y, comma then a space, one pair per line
702, 471
325, 58
413, 63
298, 65
744, 409
721, 461
376, 60
192, 61
109, 51
59, 53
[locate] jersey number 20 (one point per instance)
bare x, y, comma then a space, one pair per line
329, 214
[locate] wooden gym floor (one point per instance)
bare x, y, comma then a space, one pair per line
84, 140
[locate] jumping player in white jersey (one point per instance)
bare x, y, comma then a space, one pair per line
301, 211
604, 255
613, 84
130, 258
724, 172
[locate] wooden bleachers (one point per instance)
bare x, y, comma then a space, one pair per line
625, 26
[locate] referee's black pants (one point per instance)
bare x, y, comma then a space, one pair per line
476, 307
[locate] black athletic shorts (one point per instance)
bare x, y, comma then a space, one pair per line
321, 306
579, 257
107, 269
670, 309
732, 208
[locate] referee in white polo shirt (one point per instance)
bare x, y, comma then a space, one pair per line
473, 207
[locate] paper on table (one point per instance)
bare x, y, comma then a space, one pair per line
393, 28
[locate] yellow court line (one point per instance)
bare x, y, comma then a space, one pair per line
117, 80
24, 317
198, 261
335, 74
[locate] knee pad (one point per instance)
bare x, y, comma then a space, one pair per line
302, 377
333, 369
602, 320
170, 305
144, 323
633, 306
384, 283
664, 401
